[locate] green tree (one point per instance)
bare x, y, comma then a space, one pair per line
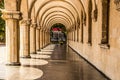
2, 23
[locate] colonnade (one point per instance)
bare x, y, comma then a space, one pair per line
74, 35
23, 39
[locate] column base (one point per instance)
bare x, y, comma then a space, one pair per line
25, 56
13, 64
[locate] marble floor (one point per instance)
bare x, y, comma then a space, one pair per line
54, 62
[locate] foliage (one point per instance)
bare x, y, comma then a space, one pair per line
2, 23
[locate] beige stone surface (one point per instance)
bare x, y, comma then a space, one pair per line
78, 16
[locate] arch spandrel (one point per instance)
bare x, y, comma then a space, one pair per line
13, 5
24, 9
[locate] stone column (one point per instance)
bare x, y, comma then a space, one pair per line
73, 36
12, 36
46, 38
49, 36
43, 38
69, 36
25, 39
76, 35
37, 38
33, 38
40, 39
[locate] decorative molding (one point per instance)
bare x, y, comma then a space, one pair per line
34, 25
38, 28
11, 15
26, 22
117, 3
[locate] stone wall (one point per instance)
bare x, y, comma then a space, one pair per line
105, 58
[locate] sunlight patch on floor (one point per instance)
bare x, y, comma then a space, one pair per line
33, 61
44, 52
37, 56
19, 73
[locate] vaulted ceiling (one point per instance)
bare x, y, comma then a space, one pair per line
49, 12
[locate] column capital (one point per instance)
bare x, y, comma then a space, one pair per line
34, 25
11, 15
26, 22
38, 28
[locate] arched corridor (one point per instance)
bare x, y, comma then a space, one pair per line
91, 29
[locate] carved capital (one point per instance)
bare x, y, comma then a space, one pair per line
38, 28
34, 25
11, 15
26, 22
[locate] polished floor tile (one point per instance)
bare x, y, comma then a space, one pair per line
19, 73
65, 64
54, 62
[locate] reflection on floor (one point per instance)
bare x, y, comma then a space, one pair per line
55, 62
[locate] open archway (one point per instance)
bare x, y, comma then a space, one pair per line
58, 33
